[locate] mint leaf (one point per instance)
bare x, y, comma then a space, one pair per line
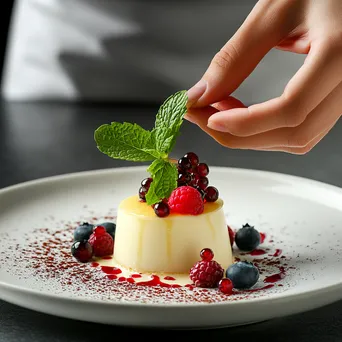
169, 120
164, 176
126, 141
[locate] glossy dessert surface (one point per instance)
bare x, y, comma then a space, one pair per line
147, 243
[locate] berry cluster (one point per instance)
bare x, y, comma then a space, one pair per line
93, 241
191, 174
195, 174
208, 273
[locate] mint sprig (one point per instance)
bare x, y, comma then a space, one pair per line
131, 142
169, 120
164, 174
126, 141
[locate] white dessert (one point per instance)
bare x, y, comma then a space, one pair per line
147, 243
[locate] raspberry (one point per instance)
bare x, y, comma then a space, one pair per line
186, 200
102, 242
207, 272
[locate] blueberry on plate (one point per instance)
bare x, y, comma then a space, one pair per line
247, 238
110, 228
83, 231
82, 251
243, 274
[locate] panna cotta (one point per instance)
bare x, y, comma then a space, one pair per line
146, 243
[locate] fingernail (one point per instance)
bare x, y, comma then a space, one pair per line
195, 93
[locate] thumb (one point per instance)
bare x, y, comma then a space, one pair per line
263, 29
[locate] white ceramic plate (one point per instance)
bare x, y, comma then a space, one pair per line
301, 219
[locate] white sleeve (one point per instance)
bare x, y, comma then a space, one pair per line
127, 50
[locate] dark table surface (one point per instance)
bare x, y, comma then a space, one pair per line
45, 139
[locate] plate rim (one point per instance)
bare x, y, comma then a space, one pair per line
91, 301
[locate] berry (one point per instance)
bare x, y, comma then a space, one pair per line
202, 169
83, 231
194, 179
211, 194
184, 178
145, 183
110, 228
102, 242
207, 272
184, 163
161, 209
202, 192
142, 193
202, 182
243, 274
186, 200
247, 238
207, 254
82, 251
193, 158
231, 235
226, 286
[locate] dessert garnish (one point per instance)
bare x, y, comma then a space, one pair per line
243, 274
131, 142
247, 238
93, 241
186, 200
102, 242
83, 231
226, 286
206, 272
82, 251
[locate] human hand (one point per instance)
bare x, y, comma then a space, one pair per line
311, 103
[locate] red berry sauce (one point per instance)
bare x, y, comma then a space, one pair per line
44, 255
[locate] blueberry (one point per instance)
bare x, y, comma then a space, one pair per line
243, 274
247, 238
83, 231
110, 228
82, 251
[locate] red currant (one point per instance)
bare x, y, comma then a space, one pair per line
201, 191
202, 182
226, 286
207, 254
202, 169
146, 183
184, 163
161, 209
184, 178
142, 193
193, 158
194, 179
211, 194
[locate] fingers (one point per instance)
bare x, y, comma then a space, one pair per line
320, 74
201, 115
263, 29
304, 149
301, 138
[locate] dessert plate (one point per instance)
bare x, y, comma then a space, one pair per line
299, 259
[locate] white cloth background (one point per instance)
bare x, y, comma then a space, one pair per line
127, 50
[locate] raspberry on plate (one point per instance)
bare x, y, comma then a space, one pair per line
186, 200
102, 242
206, 273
